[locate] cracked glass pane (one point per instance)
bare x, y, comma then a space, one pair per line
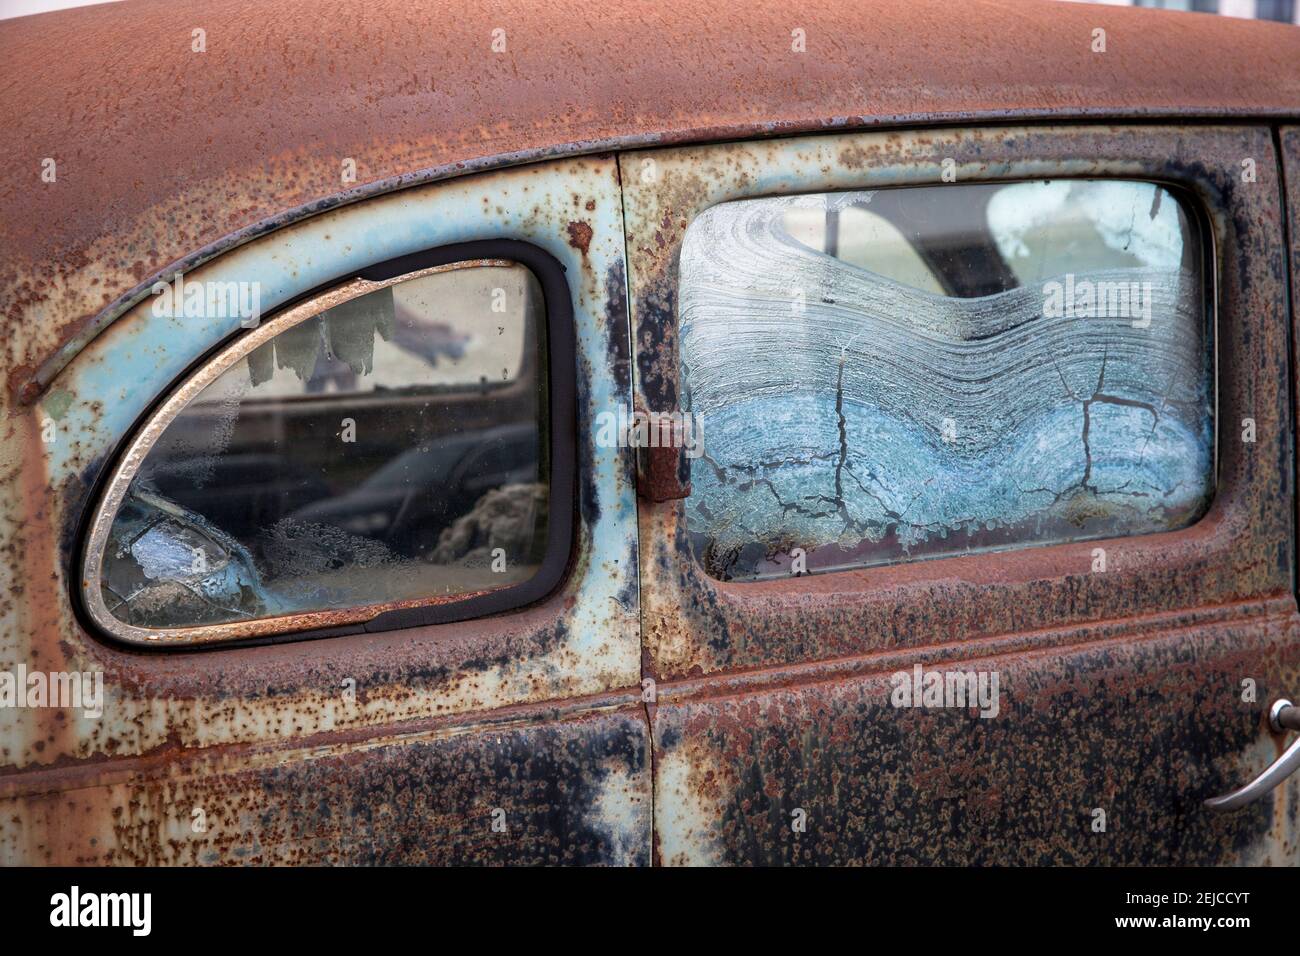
919, 372
391, 449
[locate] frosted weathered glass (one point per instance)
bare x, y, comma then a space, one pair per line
882, 376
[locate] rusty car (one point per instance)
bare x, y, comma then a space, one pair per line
586, 434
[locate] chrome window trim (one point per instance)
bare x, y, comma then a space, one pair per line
130, 461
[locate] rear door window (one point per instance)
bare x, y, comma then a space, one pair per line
917, 372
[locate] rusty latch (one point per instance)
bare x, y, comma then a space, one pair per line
663, 467
663, 473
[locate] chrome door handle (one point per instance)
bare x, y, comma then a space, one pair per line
1282, 716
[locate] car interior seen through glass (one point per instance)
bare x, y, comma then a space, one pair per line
392, 448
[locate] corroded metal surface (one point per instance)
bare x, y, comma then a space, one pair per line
1121, 690
1289, 140
771, 699
167, 155
663, 473
534, 790
1240, 550
179, 708
1142, 729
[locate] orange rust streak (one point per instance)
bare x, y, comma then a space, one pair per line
38, 611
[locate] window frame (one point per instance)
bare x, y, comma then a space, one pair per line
1200, 232
1242, 548
561, 363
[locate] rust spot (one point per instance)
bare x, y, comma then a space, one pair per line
580, 236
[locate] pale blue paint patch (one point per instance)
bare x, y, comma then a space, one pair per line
141, 356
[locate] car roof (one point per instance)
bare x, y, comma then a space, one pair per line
165, 155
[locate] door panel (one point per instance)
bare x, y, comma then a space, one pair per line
1289, 139
289, 745
1121, 686
540, 788
1143, 724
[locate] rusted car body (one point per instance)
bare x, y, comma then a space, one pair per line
643, 712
